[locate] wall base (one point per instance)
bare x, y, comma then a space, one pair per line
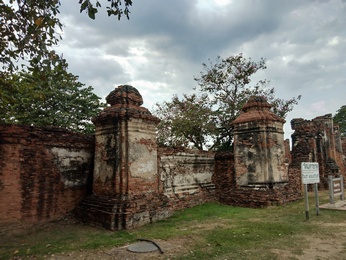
121, 213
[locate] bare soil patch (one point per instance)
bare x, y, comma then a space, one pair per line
170, 249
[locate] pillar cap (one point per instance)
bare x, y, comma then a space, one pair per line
125, 102
257, 109
125, 94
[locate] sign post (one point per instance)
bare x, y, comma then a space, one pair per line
336, 188
317, 200
310, 175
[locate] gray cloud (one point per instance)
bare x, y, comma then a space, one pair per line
161, 48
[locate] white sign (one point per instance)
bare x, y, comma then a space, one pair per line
310, 172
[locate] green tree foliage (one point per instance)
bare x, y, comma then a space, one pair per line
114, 8
226, 83
44, 93
44, 98
340, 119
30, 28
186, 120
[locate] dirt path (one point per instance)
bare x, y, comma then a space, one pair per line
170, 249
318, 249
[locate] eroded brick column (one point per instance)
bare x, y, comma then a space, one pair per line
125, 182
259, 149
125, 144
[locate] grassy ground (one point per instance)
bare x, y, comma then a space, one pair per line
209, 231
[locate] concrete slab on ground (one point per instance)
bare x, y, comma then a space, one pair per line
340, 205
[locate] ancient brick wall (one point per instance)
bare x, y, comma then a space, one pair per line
134, 183
224, 175
182, 180
318, 140
227, 190
186, 176
288, 156
43, 172
256, 173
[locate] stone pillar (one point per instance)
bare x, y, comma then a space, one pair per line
125, 181
126, 149
259, 149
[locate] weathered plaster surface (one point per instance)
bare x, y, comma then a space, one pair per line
259, 148
73, 165
142, 150
186, 172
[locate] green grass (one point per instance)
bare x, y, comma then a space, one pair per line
209, 231
45, 241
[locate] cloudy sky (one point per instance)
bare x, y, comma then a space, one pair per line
163, 45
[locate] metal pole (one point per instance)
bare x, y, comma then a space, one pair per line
342, 187
331, 191
317, 199
306, 201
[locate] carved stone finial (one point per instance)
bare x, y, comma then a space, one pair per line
125, 94
257, 102
257, 109
125, 102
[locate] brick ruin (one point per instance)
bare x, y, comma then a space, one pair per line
44, 172
132, 184
319, 140
126, 190
120, 179
277, 178
258, 167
